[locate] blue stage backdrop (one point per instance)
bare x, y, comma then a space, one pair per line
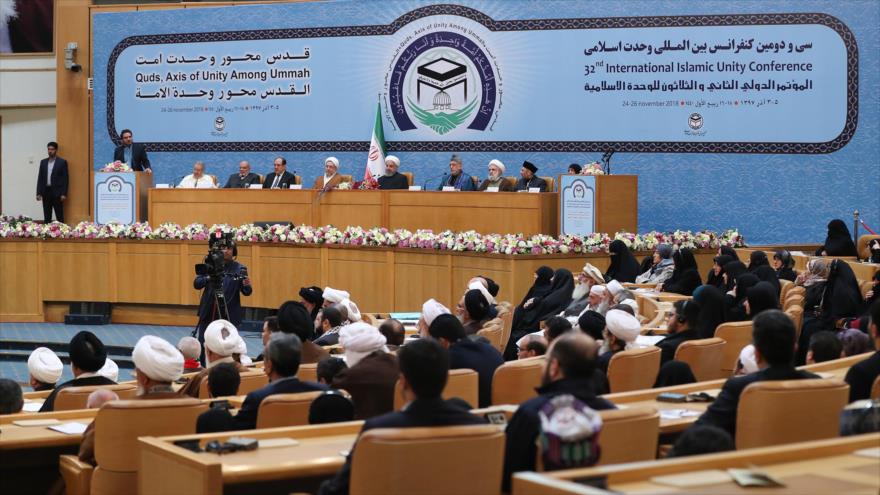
732, 114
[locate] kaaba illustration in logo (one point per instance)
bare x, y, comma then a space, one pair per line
115, 185
695, 121
443, 81
219, 123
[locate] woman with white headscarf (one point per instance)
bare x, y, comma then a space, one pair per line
496, 178
331, 177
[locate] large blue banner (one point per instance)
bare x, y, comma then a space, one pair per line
735, 86
453, 74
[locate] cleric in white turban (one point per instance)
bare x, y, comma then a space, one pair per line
110, 370
621, 330
495, 178
431, 309
44, 368
157, 363
333, 296
392, 178
354, 314
221, 342
372, 371
331, 177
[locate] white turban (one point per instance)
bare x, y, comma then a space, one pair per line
748, 360
498, 164
110, 370
354, 314
623, 325
44, 365
631, 303
335, 295
593, 273
333, 160
221, 338
393, 159
157, 359
241, 350
477, 285
598, 290
359, 340
614, 287
432, 309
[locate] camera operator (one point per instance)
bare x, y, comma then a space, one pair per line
235, 281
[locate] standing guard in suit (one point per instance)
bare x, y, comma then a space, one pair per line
52, 180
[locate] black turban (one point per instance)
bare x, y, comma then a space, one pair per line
592, 324
294, 318
312, 294
476, 304
87, 352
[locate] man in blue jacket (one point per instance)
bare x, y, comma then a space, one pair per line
457, 178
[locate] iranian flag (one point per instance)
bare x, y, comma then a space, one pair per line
376, 158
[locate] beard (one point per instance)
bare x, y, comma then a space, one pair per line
494, 178
388, 172
580, 291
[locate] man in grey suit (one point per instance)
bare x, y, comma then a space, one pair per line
243, 179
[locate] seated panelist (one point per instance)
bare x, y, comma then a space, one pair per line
528, 179
198, 179
392, 178
244, 178
280, 178
457, 178
331, 177
496, 178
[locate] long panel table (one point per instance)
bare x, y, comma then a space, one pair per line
458, 211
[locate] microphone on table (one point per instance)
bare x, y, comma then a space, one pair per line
178, 180
606, 160
441, 177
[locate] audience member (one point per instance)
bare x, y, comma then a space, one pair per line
221, 340
332, 406
223, 381
783, 263
540, 308
281, 362
331, 322
661, 268
294, 318
838, 242
568, 371
191, 349
554, 327
685, 277
313, 300
87, 356
824, 346
328, 368
95, 400
592, 323
350, 311
394, 333
531, 345
761, 297
679, 328
757, 259
466, 353
11, 399
773, 335
862, 375
715, 277
372, 371
589, 277
713, 310
431, 309
624, 268
424, 369
472, 309
701, 440
621, 330
110, 370
44, 368
100, 397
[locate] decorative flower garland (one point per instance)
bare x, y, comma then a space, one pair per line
116, 166
469, 241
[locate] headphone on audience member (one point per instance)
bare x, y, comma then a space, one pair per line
680, 315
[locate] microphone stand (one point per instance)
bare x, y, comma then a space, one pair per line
606, 161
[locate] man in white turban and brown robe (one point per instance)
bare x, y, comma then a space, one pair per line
44, 368
372, 371
221, 342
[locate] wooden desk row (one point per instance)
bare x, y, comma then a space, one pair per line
150, 282
836, 465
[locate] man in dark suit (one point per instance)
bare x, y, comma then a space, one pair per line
134, 154
281, 361
680, 328
87, 356
243, 179
862, 375
568, 370
467, 353
52, 182
424, 369
392, 178
528, 179
280, 178
774, 336
223, 381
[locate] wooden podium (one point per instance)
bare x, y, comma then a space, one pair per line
119, 197
615, 205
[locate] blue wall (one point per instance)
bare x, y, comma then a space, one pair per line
783, 198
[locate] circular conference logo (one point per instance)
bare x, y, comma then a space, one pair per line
695, 121
443, 81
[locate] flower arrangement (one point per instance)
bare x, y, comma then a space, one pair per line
344, 186
592, 168
116, 166
469, 241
